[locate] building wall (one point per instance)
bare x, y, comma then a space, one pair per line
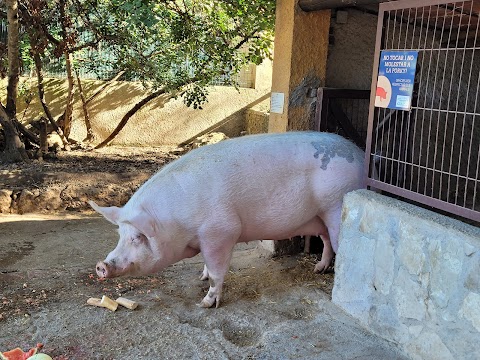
411, 276
160, 122
351, 49
300, 53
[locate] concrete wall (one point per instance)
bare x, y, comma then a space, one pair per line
300, 54
159, 122
351, 50
410, 276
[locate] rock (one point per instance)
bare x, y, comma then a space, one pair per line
5, 201
208, 139
49, 200
26, 202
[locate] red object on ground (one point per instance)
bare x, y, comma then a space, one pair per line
19, 354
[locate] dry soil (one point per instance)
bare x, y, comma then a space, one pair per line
273, 308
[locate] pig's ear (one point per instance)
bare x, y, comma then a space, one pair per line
143, 223
111, 213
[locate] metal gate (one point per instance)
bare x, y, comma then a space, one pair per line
343, 111
430, 154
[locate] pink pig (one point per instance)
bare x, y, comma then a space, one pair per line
381, 92
269, 186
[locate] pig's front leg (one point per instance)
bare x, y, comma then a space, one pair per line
217, 255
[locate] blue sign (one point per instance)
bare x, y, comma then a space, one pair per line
396, 76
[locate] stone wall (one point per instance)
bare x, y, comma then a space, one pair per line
257, 122
410, 275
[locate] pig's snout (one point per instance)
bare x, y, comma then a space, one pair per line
104, 270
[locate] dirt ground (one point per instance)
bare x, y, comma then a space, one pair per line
273, 308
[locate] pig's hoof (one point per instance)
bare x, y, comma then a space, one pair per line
208, 302
321, 267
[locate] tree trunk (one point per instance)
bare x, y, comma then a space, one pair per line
90, 135
41, 95
13, 58
67, 120
30, 136
128, 115
43, 138
14, 148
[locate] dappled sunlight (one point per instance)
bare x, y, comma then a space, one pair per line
67, 182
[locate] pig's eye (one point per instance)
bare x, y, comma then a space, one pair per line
137, 240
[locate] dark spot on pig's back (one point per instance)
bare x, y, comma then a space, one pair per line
332, 148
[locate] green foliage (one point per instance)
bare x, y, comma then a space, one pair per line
179, 45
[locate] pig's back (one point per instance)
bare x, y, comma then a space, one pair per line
280, 151
263, 166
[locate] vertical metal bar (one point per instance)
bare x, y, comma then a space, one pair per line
408, 25
380, 110
416, 113
476, 176
425, 100
388, 154
427, 156
400, 26
383, 166
441, 93
448, 107
473, 120
408, 149
433, 99
395, 140
394, 29
402, 166
459, 160
456, 107
440, 106
371, 114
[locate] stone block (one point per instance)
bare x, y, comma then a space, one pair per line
410, 276
5, 200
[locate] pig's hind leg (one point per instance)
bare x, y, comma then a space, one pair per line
204, 275
329, 235
327, 254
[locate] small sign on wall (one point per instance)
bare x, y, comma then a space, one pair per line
396, 77
276, 102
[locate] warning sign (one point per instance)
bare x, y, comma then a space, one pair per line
396, 77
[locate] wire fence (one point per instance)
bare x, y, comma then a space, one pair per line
98, 65
431, 154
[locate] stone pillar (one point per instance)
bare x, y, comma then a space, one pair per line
299, 64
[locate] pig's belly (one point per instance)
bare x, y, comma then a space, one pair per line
278, 226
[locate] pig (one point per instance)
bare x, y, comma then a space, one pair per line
268, 186
381, 92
